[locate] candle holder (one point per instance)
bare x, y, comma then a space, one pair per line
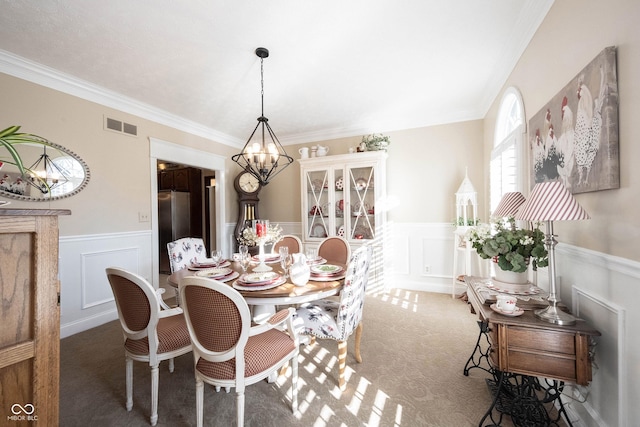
261, 227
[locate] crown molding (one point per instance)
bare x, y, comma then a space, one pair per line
33, 72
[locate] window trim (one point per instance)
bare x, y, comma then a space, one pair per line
505, 138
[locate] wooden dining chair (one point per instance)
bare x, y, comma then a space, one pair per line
150, 334
184, 252
335, 249
227, 350
337, 320
292, 242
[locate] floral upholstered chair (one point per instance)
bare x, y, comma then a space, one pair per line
151, 335
184, 252
337, 320
227, 350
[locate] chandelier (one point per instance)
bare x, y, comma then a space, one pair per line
263, 157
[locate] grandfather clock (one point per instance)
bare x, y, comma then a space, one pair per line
247, 186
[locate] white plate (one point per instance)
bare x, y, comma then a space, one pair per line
207, 264
326, 269
517, 312
318, 230
255, 278
268, 258
241, 287
214, 273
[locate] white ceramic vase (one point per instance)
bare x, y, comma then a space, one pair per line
299, 270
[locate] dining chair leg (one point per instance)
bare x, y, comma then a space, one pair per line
199, 402
342, 363
171, 365
357, 345
240, 408
129, 382
154, 394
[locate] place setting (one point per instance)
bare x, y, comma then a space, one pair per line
259, 281
222, 274
215, 261
327, 272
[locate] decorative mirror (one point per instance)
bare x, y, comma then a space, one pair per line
51, 171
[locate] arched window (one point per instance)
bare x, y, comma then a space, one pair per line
507, 156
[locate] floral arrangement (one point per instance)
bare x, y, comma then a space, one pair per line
375, 142
511, 248
250, 238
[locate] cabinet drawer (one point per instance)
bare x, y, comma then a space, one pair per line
541, 341
562, 368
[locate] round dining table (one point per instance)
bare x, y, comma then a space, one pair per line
264, 302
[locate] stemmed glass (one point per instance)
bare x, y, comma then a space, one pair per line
216, 256
285, 260
245, 260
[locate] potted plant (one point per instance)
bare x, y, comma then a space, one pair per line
510, 248
376, 142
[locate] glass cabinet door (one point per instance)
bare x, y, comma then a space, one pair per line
361, 189
317, 204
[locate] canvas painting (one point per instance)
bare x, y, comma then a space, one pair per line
574, 137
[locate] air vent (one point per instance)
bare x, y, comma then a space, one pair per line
120, 126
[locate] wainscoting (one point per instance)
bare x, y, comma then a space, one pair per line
86, 300
599, 288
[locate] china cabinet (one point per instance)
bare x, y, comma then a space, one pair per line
342, 196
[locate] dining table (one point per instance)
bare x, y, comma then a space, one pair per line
264, 301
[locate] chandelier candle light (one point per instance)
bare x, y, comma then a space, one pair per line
263, 159
551, 201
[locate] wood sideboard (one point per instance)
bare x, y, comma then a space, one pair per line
29, 316
529, 346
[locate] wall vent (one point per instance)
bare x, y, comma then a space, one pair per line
120, 126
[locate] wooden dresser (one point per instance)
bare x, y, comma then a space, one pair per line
29, 316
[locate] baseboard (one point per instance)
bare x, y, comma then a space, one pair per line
72, 328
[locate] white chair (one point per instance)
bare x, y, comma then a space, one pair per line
227, 350
184, 252
335, 249
337, 320
150, 334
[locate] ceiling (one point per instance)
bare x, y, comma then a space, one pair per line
336, 68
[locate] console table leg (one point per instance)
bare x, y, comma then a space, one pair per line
500, 378
479, 354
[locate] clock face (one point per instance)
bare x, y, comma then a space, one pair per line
248, 183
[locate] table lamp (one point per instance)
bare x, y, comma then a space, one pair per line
508, 205
551, 201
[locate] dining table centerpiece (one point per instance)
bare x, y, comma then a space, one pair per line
511, 249
261, 236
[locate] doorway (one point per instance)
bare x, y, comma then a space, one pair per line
213, 164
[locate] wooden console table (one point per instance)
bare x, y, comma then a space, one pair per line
528, 347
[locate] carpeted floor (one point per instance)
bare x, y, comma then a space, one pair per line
414, 348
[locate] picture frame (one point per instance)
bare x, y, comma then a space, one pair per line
574, 137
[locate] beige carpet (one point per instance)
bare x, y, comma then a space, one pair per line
414, 348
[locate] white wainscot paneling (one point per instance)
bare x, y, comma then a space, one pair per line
601, 289
420, 257
86, 300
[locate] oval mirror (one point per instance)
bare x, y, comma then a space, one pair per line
52, 172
